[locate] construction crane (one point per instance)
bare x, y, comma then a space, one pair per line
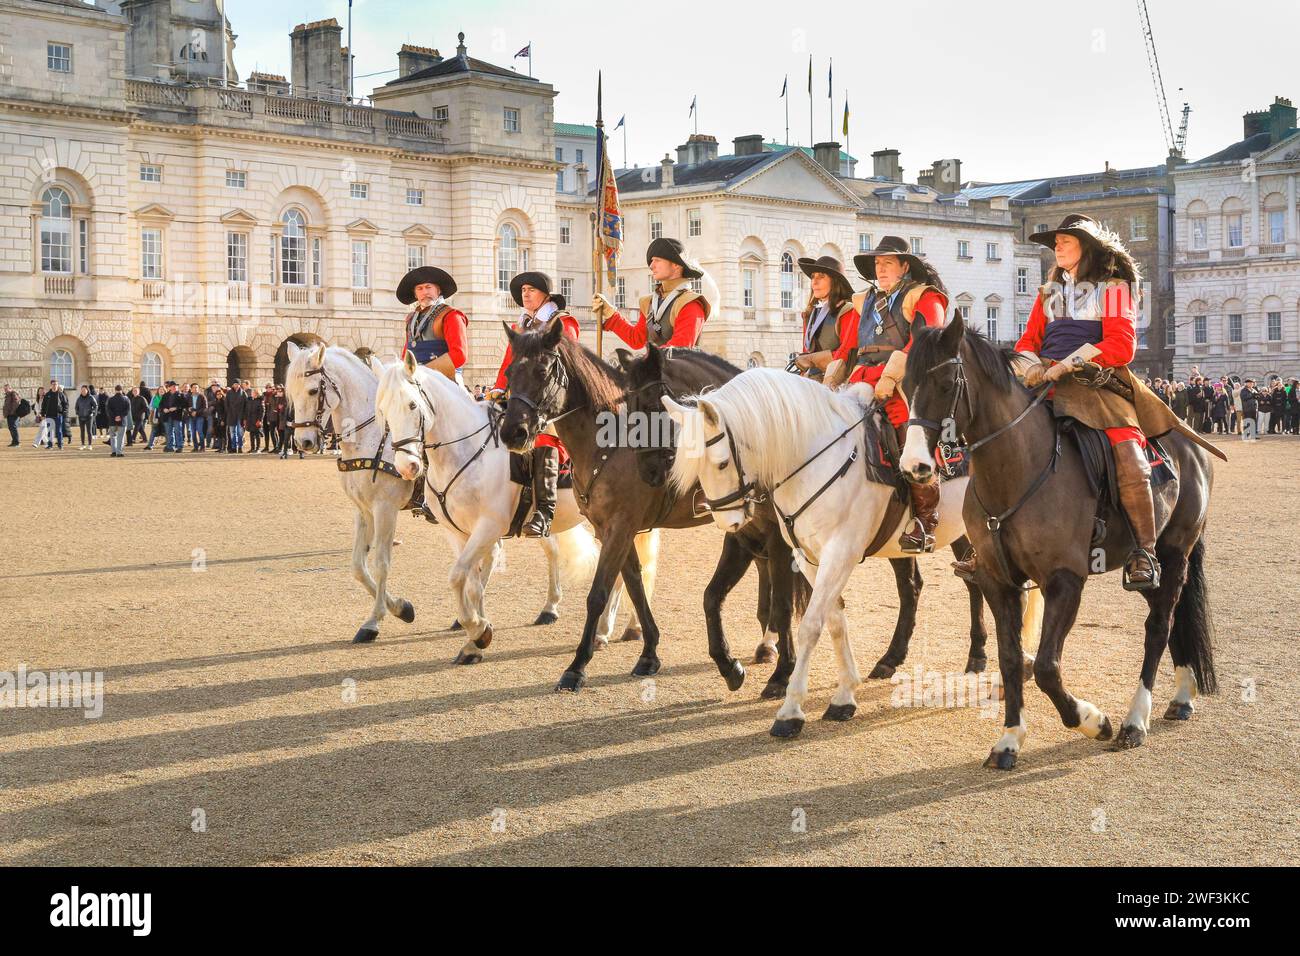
1180, 141
1166, 126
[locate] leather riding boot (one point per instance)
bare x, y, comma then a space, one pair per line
1133, 474
964, 567
918, 538
546, 473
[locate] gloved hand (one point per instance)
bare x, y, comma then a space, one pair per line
885, 388
1058, 371
1034, 375
804, 360
601, 307
495, 395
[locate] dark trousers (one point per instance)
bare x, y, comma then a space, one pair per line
87, 431
12, 422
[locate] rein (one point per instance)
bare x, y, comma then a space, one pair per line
374, 462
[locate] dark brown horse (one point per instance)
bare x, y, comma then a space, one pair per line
1030, 512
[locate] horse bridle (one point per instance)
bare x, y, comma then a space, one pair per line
318, 420
554, 381
962, 390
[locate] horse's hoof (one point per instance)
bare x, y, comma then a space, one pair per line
976, 665
765, 654
365, 635
471, 658
840, 712
599, 644
774, 690
1107, 731
456, 626
546, 617
484, 639
881, 671
1130, 737
1001, 760
571, 681
734, 674
632, 634
787, 728
647, 666
1178, 711
407, 612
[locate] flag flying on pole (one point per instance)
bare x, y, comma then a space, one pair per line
810, 74
526, 51
830, 71
620, 121
609, 229
846, 116
784, 84
692, 112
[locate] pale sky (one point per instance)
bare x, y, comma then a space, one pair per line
1015, 89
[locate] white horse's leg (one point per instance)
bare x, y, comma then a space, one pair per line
362, 534
383, 519
467, 578
843, 705
551, 612
828, 581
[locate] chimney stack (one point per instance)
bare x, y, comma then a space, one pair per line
1109, 179
412, 59
698, 148
885, 165
320, 64
827, 156
750, 145
666, 172
1281, 117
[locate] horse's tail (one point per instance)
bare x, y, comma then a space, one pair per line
1193, 630
802, 593
578, 556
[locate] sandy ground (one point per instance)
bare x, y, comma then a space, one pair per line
226, 707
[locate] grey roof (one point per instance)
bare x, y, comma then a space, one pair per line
1026, 189
459, 64
1243, 149
720, 171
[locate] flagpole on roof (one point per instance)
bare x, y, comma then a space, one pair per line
785, 91
530, 58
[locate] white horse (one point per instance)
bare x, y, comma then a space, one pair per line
803, 445
469, 490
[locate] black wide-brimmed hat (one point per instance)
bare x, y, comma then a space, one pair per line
418, 276
1084, 228
892, 246
674, 251
538, 280
831, 267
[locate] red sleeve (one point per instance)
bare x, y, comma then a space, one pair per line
1032, 340
633, 335
686, 328
932, 307
1118, 336
505, 364
571, 328
453, 330
848, 334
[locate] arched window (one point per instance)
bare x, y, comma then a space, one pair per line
62, 368
507, 256
151, 369
293, 248
56, 231
787, 281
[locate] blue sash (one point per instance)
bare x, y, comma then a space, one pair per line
1063, 336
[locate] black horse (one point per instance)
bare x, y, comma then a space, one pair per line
1031, 511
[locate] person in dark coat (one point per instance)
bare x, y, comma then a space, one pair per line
1249, 411
118, 409
253, 413
101, 415
86, 410
197, 415
273, 409
54, 408
218, 408
139, 415
235, 404
1219, 410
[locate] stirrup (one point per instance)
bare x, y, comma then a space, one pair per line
908, 543
1152, 564
537, 527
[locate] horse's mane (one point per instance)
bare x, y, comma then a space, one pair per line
350, 358
604, 385
994, 361
713, 361
772, 415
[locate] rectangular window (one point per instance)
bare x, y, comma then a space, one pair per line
656, 226
83, 245
1199, 334
56, 245
964, 312
991, 251
559, 181
441, 114
1200, 238
1022, 280
151, 258
747, 284
1137, 227
991, 323
1277, 226
150, 173
917, 248
360, 264
693, 223
236, 257
963, 249
566, 232
864, 242
58, 57
316, 262
236, 179
620, 297
559, 154
360, 190
414, 197
566, 289
1022, 322
1234, 231
1275, 326
511, 120
1234, 328
414, 257
1171, 332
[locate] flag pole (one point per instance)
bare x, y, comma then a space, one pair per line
811, 137
786, 88
599, 283
530, 58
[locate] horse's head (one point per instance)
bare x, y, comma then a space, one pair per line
406, 410
312, 401
707, 454
933, 386
538, 384
645, 392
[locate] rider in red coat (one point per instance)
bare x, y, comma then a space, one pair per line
435, 332
674, 314
532, 292
830, 323
905, 287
